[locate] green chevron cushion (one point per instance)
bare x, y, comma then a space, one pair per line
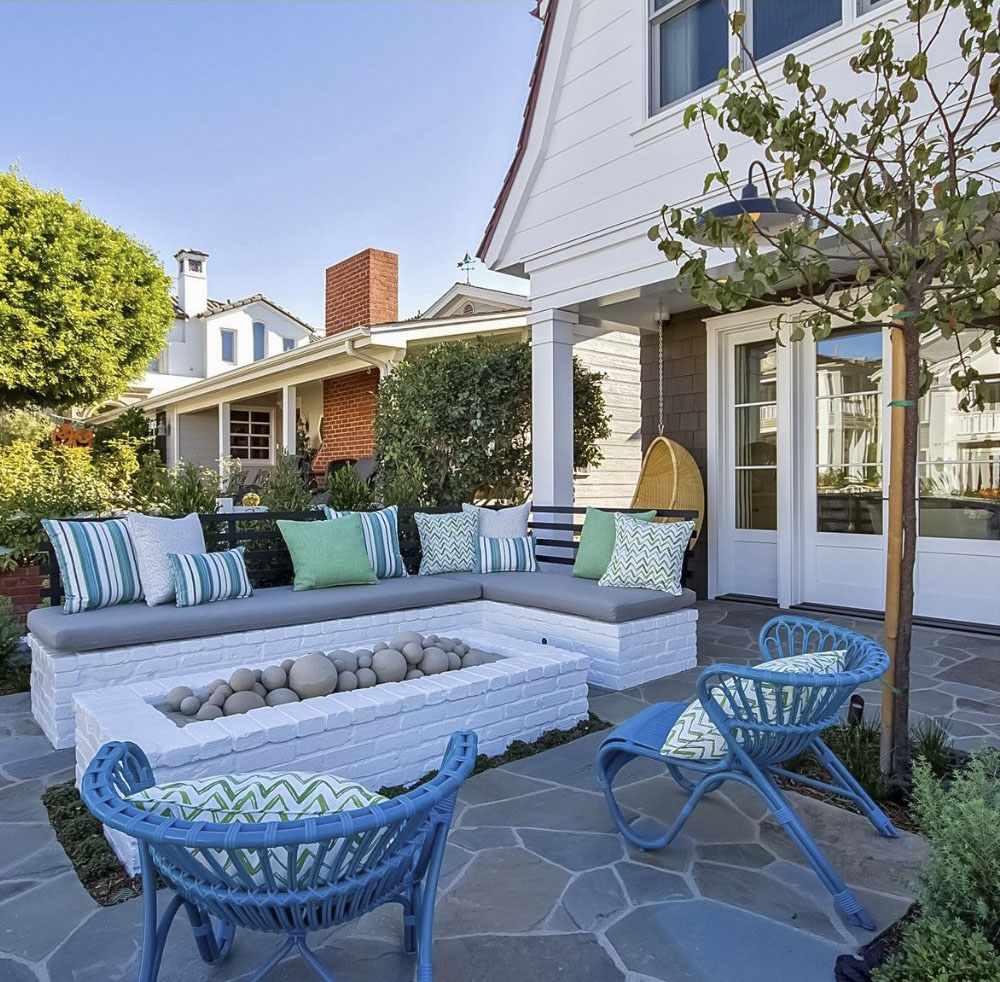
648, 555
448, 542
694, 735
597, 542
257, 798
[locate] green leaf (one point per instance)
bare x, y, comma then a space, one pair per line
737, 21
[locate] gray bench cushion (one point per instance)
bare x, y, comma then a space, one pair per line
559, 591
279, 606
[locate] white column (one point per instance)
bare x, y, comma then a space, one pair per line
287, 441
223, 437
173, 437
552, 406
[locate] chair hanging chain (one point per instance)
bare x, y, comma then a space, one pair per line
659, 365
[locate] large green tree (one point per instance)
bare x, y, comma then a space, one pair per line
897, 195
458, 416
83, 307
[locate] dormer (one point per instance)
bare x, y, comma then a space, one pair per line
192, 281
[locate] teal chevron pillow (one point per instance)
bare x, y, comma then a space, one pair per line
448, 542
648, 555
257, 798
695, 737
381, 532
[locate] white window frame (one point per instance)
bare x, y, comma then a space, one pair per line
287, 344
253, 461
263, 340
235, 335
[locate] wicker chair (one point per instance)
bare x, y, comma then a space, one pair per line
670, 478
770, 718
389, 852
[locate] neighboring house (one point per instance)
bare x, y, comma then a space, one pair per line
791, 440
328, 387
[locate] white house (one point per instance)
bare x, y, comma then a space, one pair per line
791, 439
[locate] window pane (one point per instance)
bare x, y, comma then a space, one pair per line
756, 435
779, 23
756, 372
757, 499
228, 346
849, 430
693, 48
258, 340
961, 501
849, 361
154, 365
849, 499
287, 344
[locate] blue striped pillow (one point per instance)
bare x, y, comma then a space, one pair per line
507, 555
207, 577
381, 532
96, 562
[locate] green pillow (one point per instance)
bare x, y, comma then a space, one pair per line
330, 553
597, 542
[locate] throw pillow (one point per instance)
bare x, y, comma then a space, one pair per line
204, 578
448, 542
97, 563
507, 555
694, 735
381, 532
257, 798
153, 538
597, 542
501, 523
648, 555
330, 553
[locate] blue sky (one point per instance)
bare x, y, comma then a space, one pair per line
277, 137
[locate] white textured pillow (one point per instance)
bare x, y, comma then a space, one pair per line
153, 539
501, 523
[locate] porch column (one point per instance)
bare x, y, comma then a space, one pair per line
288, 434
173, 437
223, 437
552, 406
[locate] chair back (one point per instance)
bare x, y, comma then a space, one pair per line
770, 715
316, 871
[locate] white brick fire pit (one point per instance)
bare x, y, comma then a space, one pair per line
385, 735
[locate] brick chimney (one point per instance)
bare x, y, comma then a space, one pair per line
363, 289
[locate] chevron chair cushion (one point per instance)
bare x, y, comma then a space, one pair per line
448, 542
257, 798
648, 555
695, 737
381, 532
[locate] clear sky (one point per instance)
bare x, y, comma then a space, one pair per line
277, 137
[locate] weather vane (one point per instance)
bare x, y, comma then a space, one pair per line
466, 264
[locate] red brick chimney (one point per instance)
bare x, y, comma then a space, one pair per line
363, 289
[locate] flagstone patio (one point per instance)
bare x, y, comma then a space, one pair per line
536, 883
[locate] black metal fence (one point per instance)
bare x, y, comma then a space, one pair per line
555, 528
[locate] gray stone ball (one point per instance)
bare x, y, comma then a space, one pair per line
366, 678
405, 638
209, 711
279, 697
412, 652
389, 665
347, 681
454, 661
446, 645
431, 641
242, 680
343, 660
260, 689
287, 664
220, 695
364, 653
274, 677
414, 673
215, 683
460, 649
177, 695
257, 673
365, 661
242, 702
190, 705
379, 646
434, 661
312, 675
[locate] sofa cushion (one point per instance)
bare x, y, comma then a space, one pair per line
279, 606
561, 592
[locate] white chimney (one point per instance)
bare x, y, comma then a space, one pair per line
192, 281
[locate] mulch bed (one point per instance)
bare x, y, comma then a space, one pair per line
14, 678
858, 968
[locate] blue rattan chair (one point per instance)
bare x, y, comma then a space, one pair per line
762, 729
389, 852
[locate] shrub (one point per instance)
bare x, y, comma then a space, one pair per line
348, 491
28, 425
282, 487
190, 488
131, 426
930, 741
941, 949
403, 487
857, 745
11, 631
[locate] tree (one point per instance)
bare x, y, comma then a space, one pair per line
459, 415
83, 307
897, 227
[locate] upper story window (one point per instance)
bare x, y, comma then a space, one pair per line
228, 347
287, 344
691, 42
194, 265
259, 340
159, 364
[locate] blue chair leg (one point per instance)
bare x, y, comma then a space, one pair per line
409, 927
290, 943
213, 946
154, 932
846, 779
424, 908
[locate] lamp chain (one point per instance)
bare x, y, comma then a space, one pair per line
659, 366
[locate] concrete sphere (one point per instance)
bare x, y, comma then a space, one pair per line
414, 673
405, 638
220, 695
446, 645
242, 702
365, 653
379, 646
274, 677
343, 660
242, 680
312, 675
431, 641
460, 649
454, 661
208, 711
365, 661
346, 681
287, 664
434, 661
190, 705
366, 678
215, 683
278, 697
257, 673
412, 652
260, 689
389, 665
475, 657
177, 695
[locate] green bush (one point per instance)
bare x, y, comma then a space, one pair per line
930, 741
11, 631
282, 487
404, 486
857, 745
28, 425
131, 426
941, 949
348, 491
190, 488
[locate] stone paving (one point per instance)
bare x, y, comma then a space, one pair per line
536, 884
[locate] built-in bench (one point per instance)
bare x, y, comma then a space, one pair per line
630, 636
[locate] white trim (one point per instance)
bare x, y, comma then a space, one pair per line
515, 301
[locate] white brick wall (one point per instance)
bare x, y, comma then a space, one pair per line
391, 734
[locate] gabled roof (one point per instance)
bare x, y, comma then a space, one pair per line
221, 306
545, 10
500, 299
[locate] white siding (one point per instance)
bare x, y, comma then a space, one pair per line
199, 437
